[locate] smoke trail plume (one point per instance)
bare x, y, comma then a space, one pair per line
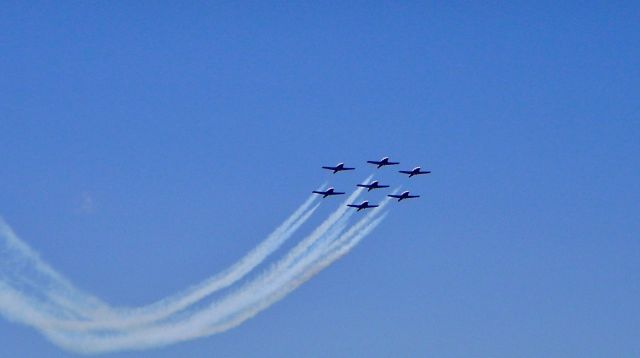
84, 324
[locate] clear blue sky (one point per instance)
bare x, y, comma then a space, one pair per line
147, 146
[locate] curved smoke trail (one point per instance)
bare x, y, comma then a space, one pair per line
168, 321
64, 303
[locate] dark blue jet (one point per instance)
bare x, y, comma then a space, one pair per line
363, 205
338, 168
414, 171
373, 185
404, 195
382, 162
328, 192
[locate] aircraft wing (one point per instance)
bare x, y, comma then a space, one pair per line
330, 168
405, 171
395, 196
353, 206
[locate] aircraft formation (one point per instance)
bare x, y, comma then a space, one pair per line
374, 184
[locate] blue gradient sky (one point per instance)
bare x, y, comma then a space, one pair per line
146, 146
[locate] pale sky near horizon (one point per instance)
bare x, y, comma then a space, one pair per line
146, 146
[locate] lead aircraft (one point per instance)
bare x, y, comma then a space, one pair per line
382, 162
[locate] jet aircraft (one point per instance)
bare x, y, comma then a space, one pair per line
382, 162
404, 195
328, 192
373, 185
338, 168
414, 171
364, 205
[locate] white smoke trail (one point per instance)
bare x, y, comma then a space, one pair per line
338, 216
232, 310
322, 247
236, 272
90, 313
